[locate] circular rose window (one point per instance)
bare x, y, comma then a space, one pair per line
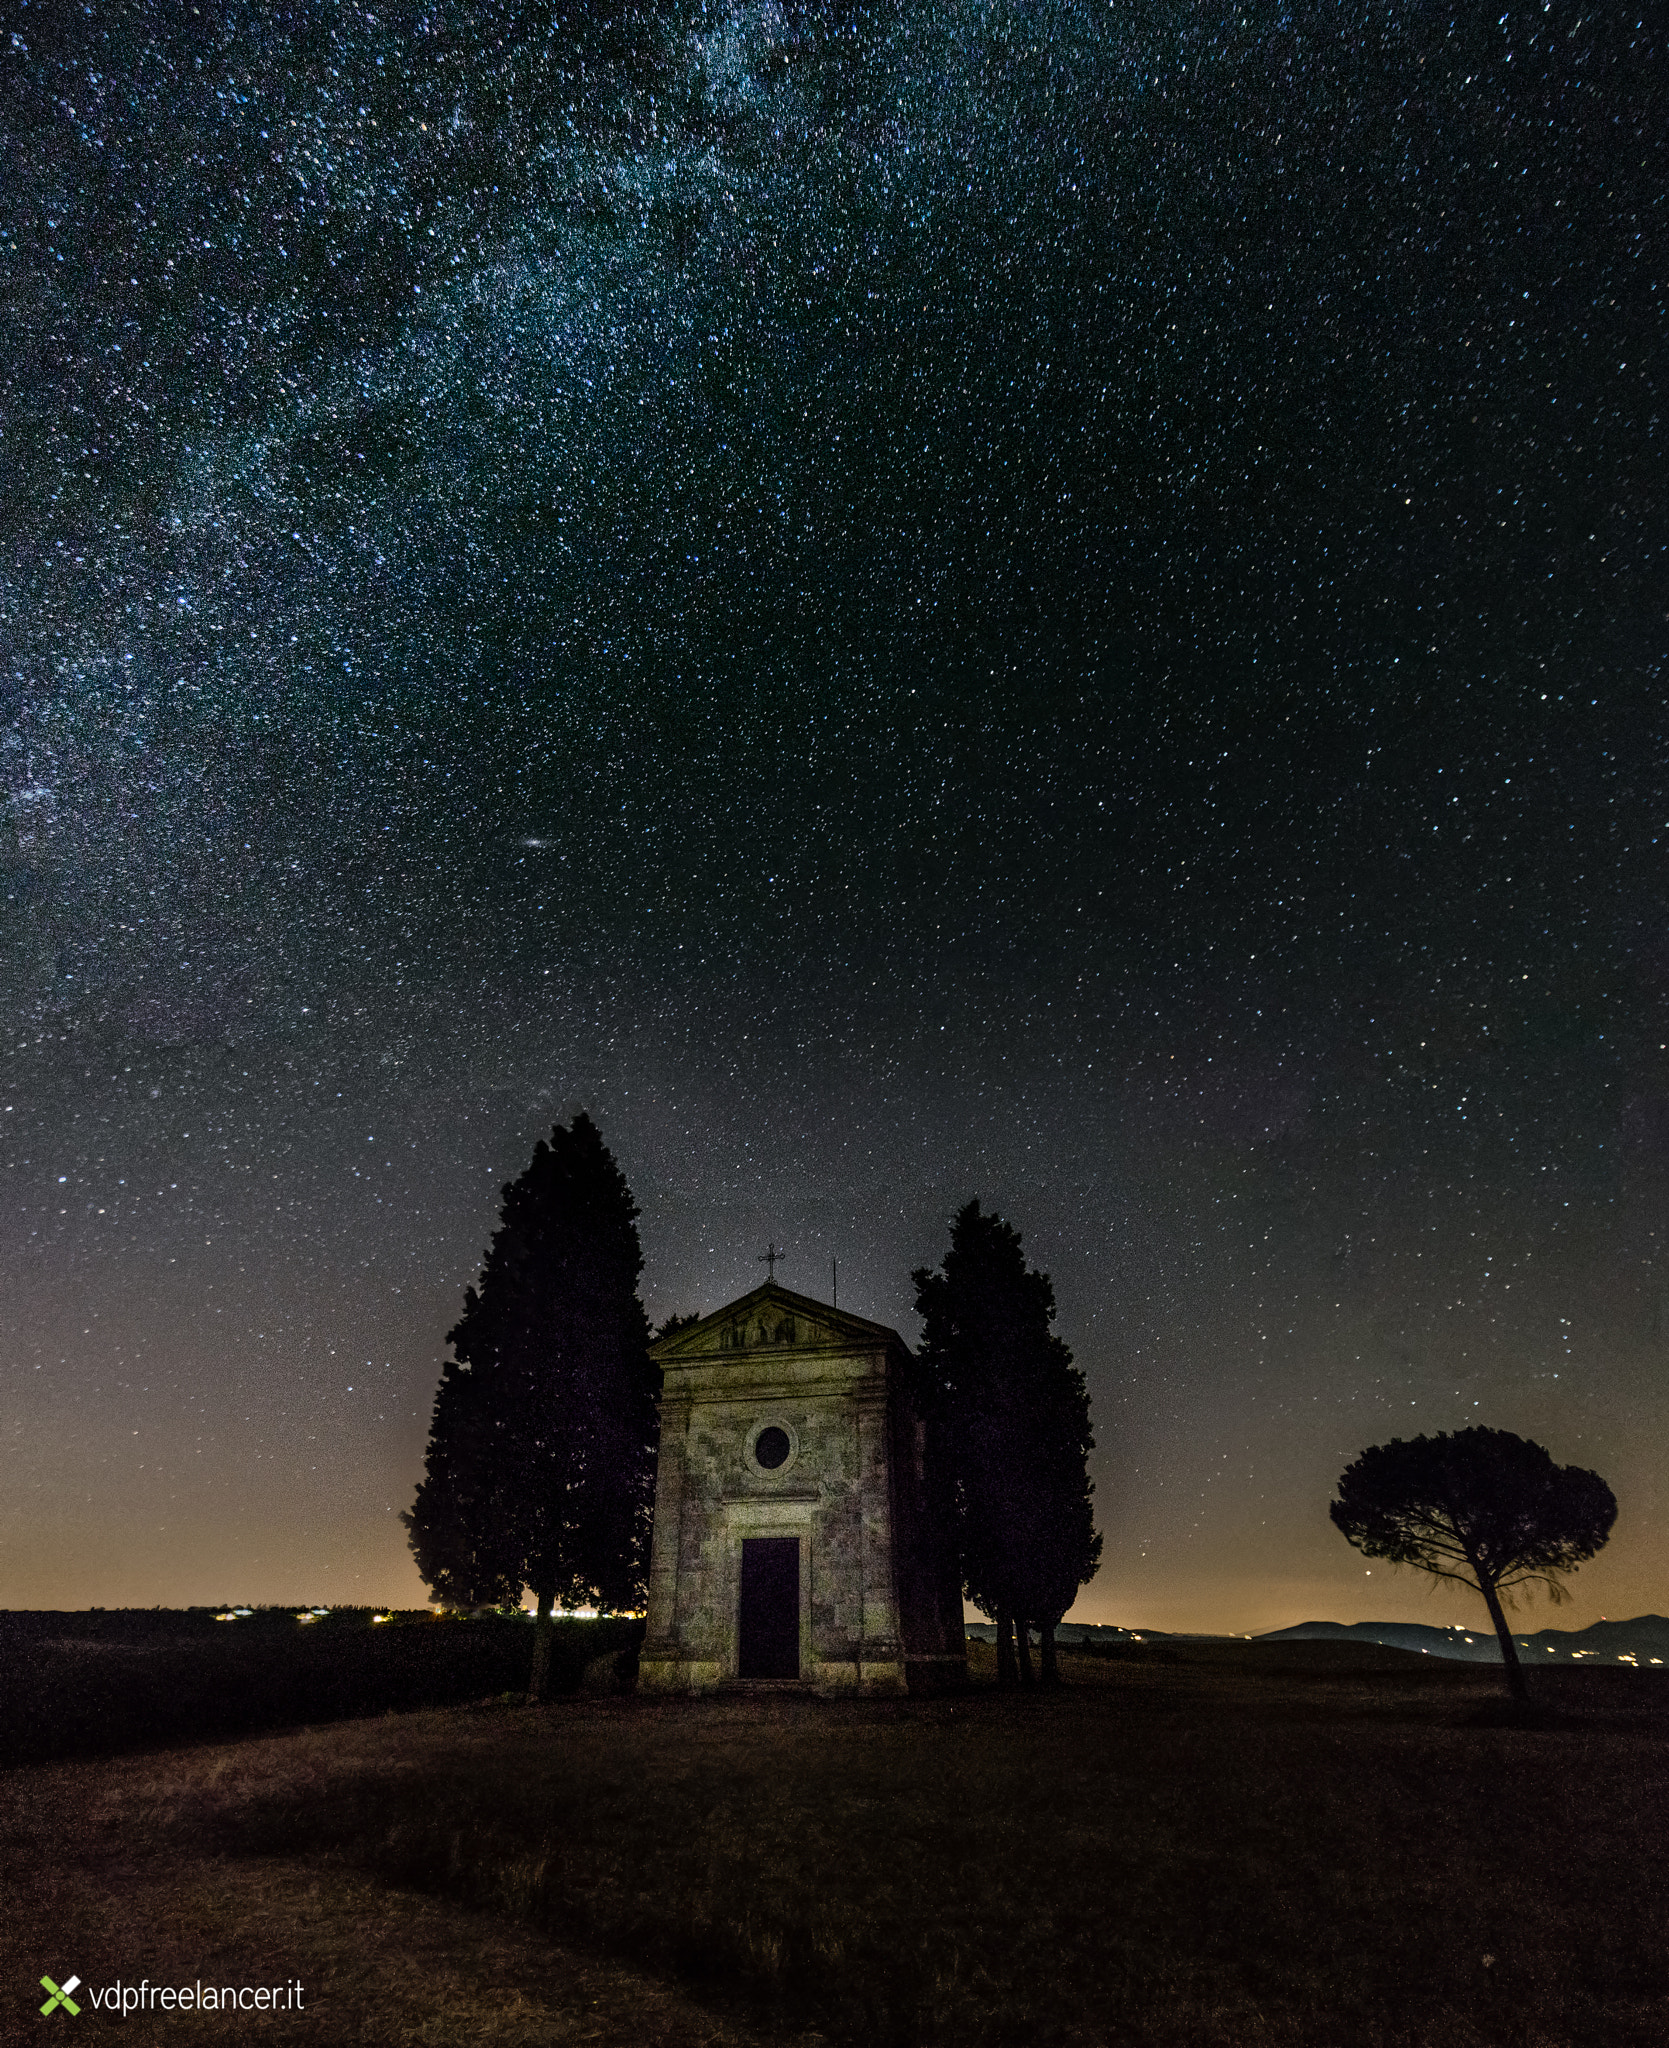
771, 1448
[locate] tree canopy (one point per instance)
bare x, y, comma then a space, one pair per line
1013, 1412
1482, 1506
540, 1466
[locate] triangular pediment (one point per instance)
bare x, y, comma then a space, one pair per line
772, 1318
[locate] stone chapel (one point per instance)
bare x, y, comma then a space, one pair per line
795, 1538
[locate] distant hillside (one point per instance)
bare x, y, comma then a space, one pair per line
1642, 1641
1069, 1633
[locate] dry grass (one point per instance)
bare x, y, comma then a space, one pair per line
1218, 1847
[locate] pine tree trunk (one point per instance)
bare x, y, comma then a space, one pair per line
1051, 1667
538, 1684
1023, 1643
1007, 1675
1509, 1649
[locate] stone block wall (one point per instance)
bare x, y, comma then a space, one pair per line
833, 1392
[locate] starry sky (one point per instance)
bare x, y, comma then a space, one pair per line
1058, 602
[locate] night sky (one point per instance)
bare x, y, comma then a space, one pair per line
1064, 603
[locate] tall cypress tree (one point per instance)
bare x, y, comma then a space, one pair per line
1057, 1544
540, 1468
463, 1541
1013, 1412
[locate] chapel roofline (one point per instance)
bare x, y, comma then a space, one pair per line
665, 1350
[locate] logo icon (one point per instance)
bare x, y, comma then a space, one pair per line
60, 1997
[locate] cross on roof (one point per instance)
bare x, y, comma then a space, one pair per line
768, 1259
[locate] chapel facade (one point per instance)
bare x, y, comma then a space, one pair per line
797, 1536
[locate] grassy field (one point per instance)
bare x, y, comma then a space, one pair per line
1232, 1845
94, 1684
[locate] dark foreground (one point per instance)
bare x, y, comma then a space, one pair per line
1309, 1846
98, 1683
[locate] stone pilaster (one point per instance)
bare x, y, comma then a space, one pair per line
658, 1665
880, 1654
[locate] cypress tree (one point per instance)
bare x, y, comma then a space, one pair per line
1058, 1545
1013, 1411
540, 1468
463, 1542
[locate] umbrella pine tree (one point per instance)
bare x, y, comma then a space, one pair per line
1481, 1506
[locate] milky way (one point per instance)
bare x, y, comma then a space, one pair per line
1056, 602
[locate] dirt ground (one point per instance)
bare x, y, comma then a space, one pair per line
1218, 1848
